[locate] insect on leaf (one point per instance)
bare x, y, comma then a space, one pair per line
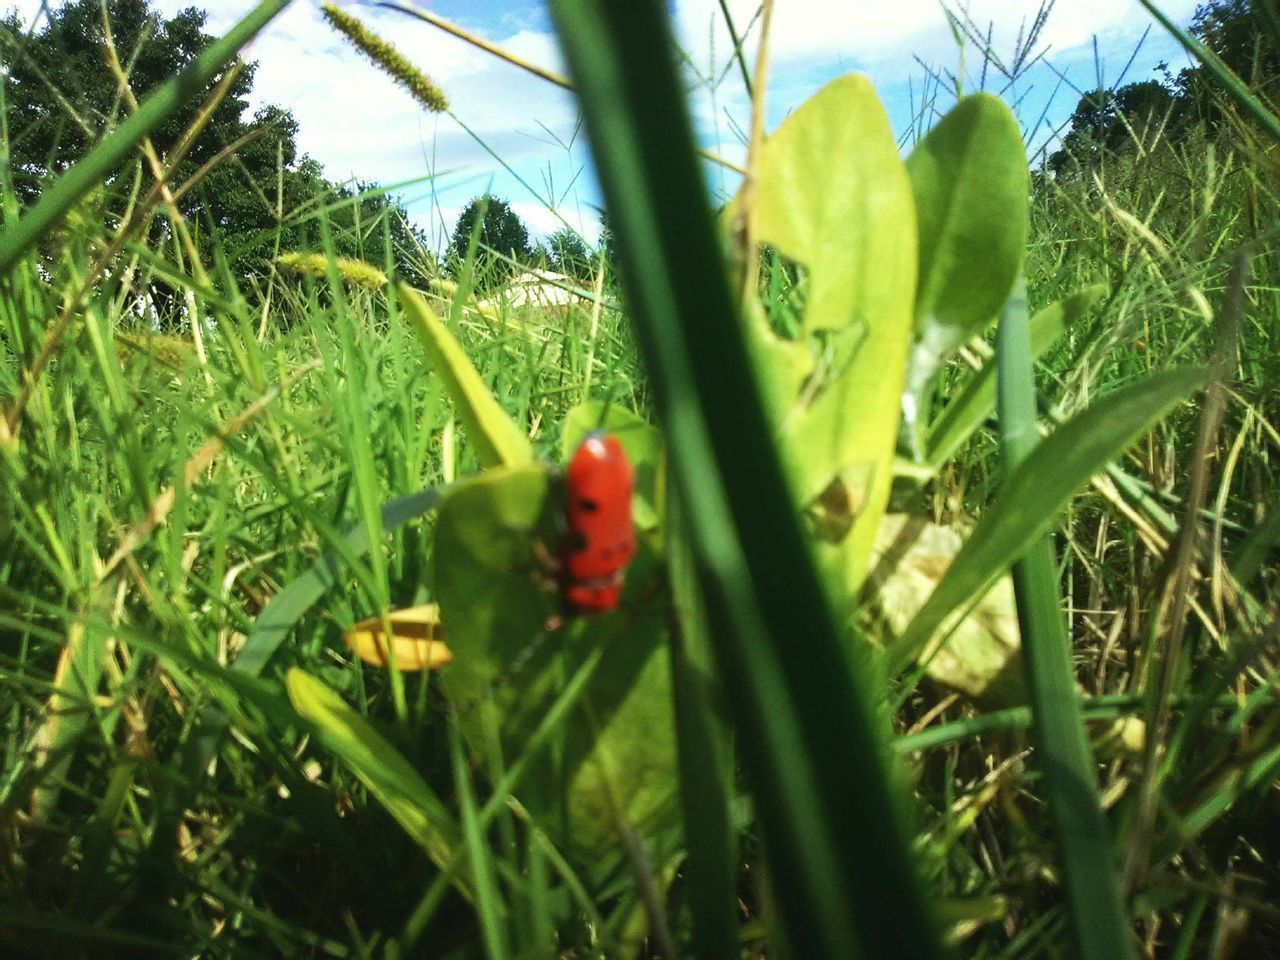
617, 762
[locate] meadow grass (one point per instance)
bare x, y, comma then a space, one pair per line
159, 493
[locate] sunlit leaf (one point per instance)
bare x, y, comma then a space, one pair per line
830, 193
497, 440
969, 179
415, 644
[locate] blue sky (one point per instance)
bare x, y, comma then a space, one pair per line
358, 123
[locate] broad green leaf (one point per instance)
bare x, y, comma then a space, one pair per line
970, 182
497, 439
976, 402
1028, 504
494, 537
380, 767
89, 173
830, 193
640, 439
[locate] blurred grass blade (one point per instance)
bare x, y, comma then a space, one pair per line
495, 436
1235, 87
706, 758
380, 767
808, 734
1037, 489
269, 630
487, 899
973, 404
1070, 780
90, 172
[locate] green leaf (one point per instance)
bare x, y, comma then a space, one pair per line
616, 766
830, 192
497, 439
642, 442
977, 401
89, 172
1037, 490
380, 767
970, 182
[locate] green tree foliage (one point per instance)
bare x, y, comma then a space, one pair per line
62, 97
568, 253
1106, 122
500, 238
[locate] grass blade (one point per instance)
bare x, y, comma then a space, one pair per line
1036, 490
973, 404
808, 732
94, 168
706, 758
1070, 780
380, 767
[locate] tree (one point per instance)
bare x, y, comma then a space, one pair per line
62, 95
61, 99
501, 234
1243, 38
1106, 122
568, 254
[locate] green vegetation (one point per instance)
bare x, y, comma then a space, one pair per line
881, 412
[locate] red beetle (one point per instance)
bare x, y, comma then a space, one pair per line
599, 537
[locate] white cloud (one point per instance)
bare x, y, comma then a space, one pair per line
810, 31
357, 122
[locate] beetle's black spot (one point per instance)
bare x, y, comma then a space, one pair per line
577, 542
590, 506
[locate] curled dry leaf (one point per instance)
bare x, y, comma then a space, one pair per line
980, 657
416, 641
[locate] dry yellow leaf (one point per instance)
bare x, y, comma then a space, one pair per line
416, 642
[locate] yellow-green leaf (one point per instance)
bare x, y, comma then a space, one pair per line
970, 183
830, 193
497, 439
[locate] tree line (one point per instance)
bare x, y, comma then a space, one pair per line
61, 96
1107, 122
